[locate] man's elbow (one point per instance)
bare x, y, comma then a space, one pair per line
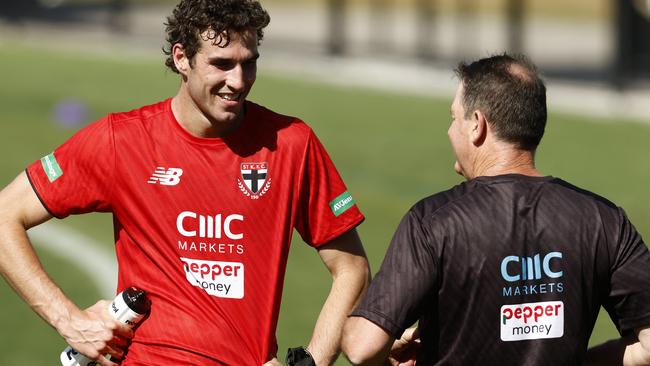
353, 348
356, 274
643, 351
358, 346
356, 356
362, 272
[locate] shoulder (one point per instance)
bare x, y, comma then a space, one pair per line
485, 194
433, 204
134, 124
565, 188
595, 208
144, 113
488, 196
279, 129
271, 119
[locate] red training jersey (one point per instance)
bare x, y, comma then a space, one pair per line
202, 224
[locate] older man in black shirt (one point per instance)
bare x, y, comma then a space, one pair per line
511, 266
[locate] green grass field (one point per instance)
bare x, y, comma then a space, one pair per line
391, 150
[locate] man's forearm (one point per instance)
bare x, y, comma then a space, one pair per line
20, 209
92, 332
23, 271
344, 294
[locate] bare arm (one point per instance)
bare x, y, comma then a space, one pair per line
367, 344
345, 259
622, 351
92, 332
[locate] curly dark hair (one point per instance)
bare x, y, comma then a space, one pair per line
193, 17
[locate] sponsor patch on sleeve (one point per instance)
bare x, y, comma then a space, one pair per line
51, 167
341, 203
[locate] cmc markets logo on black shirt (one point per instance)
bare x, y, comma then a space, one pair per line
539, 272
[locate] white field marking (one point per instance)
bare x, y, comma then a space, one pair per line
84, 252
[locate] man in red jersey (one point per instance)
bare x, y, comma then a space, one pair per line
205, 189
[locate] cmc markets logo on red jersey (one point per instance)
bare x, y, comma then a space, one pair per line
219, 234
255, 180
217, 226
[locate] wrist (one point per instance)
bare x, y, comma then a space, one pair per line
63, 317
63, 323
58, 315
300, 356
321, 356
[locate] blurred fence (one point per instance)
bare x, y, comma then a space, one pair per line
614, 48
113, 12
633, 41
623, 50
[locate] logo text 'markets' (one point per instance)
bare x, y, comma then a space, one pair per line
532, 275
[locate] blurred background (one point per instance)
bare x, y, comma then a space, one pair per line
373, 78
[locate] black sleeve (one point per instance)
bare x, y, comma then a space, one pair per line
628, 303
407, 275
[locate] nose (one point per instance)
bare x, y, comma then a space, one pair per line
236, 78
239, 77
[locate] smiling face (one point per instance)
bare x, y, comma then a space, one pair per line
217, 79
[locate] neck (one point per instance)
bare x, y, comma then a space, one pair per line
196, 122
506, 160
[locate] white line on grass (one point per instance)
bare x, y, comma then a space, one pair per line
84, 252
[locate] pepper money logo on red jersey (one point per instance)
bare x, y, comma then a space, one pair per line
220, 279
217, 234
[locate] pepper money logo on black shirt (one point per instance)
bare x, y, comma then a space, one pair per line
540, 274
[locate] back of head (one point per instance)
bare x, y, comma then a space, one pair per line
193, 17
510, 93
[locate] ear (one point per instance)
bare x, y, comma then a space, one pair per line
479, 128
181, 61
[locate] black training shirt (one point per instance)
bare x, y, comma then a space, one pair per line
510, 270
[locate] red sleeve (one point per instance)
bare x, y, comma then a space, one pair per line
78, 176
326, 209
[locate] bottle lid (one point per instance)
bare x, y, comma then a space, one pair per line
136, 300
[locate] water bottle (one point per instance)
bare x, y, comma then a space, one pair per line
129, 307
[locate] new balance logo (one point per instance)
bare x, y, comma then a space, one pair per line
166, 177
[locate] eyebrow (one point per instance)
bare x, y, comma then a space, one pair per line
218, 59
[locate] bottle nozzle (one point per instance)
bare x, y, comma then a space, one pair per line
137, 300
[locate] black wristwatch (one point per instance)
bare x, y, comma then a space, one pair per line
299, 356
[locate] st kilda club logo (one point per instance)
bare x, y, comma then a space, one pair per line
254, 181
